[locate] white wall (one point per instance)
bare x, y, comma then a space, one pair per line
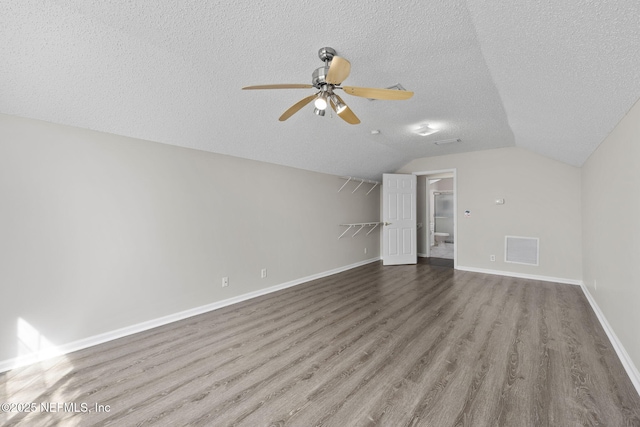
542, 199
611, 230
99, 232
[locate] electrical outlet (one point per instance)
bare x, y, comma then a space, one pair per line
225, 282
365, 250
492, 258
263, 273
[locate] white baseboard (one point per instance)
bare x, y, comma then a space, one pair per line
626, 361
521, 275
423, 255
16, 362
28, 359
628, 364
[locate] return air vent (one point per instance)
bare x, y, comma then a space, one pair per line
394, 87
521, 250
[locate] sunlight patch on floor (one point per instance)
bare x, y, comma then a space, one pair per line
41, 366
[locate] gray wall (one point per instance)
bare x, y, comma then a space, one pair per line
542, 199
611, 230
99, 232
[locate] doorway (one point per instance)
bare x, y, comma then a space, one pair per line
437, 217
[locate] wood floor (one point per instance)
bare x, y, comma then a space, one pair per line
387, 346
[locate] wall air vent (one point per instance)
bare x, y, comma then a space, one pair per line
521, 250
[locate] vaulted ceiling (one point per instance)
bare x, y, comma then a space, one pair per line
554, 77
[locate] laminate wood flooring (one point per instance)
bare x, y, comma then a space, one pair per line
419, 345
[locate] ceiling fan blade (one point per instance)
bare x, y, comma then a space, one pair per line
296, 107
347, 115
338, 70
283, 86
374, 93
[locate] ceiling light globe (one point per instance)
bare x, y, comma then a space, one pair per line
320, 103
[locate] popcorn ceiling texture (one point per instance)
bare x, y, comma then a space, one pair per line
553, 77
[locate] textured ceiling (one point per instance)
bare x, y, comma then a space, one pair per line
554, 77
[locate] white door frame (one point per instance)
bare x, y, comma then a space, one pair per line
455, 209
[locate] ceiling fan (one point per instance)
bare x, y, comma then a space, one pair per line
327, 79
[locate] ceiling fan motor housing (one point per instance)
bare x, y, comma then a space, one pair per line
319, 77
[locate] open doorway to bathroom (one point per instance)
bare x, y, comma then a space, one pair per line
436, 215
441, 219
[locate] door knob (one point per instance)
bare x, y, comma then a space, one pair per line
387, 223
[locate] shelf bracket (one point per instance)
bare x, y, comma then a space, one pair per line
362, 225
374, 186
356, 189
359, 230
362, 181
373, 228
345, 231
348, 180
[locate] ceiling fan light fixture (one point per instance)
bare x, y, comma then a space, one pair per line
340, 106
328, 78
321, 101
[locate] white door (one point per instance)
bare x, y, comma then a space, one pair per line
399, 217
